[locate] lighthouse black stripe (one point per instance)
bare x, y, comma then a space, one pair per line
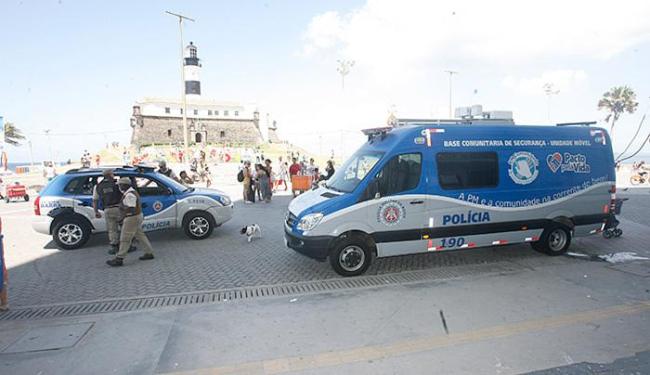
475, 229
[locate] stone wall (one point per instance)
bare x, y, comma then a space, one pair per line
155, 130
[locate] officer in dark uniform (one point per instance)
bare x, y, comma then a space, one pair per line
108, 193
163, 169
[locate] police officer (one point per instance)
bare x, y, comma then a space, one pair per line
131, 210
162, 168
109, 194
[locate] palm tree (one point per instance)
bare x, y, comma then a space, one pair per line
13, 135
616, 101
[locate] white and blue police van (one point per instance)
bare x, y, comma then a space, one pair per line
439, 185
64, 209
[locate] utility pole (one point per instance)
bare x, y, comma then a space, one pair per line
49, 142
344, 69
549, 89
180, 27
451, 73
31, 152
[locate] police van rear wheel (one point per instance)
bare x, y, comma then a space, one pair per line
555, 240
71, 233
351, 256
198, 225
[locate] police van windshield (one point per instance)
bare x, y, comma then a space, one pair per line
348, 177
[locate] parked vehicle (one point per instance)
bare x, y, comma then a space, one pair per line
439, 185
16, 191
64, 207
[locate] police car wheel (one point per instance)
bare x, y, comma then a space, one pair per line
199, 225
555, 240
351, 256
71, 233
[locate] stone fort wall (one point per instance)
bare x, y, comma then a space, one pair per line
149, 130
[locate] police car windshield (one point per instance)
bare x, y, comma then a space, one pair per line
172, 183
348, 177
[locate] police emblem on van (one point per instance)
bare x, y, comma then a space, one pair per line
524, 167
390, 213
157, 206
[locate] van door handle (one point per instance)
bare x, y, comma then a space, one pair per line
144, 205
416, 202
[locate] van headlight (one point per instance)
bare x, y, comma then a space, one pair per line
225, 200
309, 222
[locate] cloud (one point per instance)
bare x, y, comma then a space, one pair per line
563, 80
389, 35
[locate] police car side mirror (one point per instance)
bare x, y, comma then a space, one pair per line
169, 191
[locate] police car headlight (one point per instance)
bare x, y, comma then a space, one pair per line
309, 222
225, 200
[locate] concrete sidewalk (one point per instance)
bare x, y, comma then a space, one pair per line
503, 324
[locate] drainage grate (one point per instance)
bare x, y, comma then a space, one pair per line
247, 293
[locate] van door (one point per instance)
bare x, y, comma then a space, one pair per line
397, 209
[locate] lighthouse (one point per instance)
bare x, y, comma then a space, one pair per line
192, 67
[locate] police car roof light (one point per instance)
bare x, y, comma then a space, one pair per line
144, 167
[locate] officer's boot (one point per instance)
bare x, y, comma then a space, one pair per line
116, 262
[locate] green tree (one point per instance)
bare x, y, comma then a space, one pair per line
616, 101
13, 135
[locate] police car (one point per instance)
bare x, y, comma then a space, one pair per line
440, 185
64, 207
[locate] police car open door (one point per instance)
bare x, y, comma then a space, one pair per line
396, 208
158, 204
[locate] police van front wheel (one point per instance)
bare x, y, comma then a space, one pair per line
351, 256
71, 233
198, 225
555, 240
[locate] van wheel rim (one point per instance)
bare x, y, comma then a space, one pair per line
70, 234
557, 239
352, 258
199, 226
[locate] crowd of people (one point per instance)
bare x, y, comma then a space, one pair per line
261, 179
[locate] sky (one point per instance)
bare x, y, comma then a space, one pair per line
77, 67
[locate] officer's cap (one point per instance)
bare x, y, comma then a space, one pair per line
124, 181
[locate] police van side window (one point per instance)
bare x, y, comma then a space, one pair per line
465, 170
401, 173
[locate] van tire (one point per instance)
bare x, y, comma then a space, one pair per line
70, 233
351, 255
555, 240
198, 225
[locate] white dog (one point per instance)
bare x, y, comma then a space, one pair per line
251, 230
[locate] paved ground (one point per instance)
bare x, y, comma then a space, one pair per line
573, 316
42, 274
553, 315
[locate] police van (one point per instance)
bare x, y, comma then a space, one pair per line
439, 185
64, 208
